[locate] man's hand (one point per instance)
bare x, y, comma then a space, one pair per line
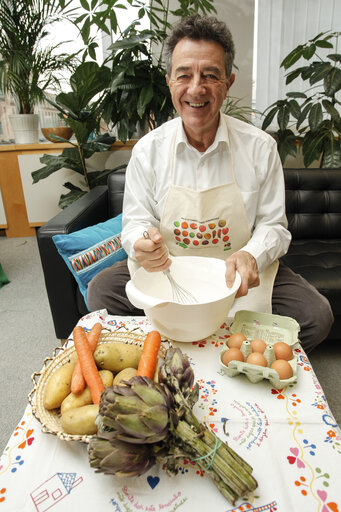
152, 254
246, 265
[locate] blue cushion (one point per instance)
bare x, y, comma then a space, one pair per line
88, 251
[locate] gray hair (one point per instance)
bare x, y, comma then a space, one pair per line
197, 28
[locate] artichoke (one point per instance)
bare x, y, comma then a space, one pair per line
137, 412
115, 457
142, 422
177, 375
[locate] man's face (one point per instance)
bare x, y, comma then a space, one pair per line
198, 84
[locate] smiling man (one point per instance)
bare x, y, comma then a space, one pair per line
206, 184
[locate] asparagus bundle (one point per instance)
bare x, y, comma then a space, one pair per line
144, 422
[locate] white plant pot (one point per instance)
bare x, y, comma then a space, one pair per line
25, 128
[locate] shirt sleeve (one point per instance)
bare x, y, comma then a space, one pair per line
270, 237
138, 213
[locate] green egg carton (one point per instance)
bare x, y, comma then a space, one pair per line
271, 329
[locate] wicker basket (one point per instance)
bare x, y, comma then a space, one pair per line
51, 419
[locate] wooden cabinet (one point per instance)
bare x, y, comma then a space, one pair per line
25, 205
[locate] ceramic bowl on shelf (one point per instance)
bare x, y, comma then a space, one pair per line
202, 277
62, 131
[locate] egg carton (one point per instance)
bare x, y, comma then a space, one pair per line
271, 329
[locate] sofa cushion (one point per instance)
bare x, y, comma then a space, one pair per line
90, 250
313, 203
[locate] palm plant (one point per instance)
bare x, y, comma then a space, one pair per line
26, 68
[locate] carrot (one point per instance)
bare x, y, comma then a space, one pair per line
77, 380
148, 359
88, 365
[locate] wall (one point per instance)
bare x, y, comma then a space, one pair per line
239, 17
42, 198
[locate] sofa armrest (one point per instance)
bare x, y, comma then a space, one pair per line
60, 285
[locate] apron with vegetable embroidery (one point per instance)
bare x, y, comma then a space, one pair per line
213, 223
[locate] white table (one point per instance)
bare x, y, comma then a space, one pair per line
289, 437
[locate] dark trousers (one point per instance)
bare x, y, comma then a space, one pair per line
292, 296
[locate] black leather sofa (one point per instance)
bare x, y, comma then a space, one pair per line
313, 205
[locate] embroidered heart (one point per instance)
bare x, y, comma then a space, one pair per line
30, 441
291, 459
294, 451
153, 481
300, 463
322, 495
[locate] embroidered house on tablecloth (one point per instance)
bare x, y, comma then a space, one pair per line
53, 490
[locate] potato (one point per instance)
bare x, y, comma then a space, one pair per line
117, 356
125, 374
81, 420
72, 401
59, 385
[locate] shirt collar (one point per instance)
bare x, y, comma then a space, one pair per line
221, 136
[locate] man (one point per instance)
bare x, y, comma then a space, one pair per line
207, 184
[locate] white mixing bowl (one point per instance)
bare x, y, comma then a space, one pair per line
204, 278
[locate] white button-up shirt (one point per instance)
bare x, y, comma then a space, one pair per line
164, 155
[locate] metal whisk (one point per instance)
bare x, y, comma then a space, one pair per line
179, 293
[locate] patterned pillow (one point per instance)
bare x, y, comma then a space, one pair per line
88, 251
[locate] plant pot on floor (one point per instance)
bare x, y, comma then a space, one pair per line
25, 128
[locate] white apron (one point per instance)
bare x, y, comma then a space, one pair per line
213, 223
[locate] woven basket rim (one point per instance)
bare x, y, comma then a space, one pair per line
51, 419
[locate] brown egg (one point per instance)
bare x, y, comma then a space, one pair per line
282, 351
236, 340
283, 368
232, 354
256, 358
258, 345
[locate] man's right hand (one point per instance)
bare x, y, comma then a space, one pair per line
152, 253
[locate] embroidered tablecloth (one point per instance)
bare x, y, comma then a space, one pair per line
289, 436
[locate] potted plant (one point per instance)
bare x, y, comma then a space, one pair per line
311, 118
139, 97
27, 69
81, 109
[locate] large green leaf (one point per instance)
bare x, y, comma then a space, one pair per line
324, 44
269, 118
336, 57
332, 111
293, 57
315, 117
283, 117
100, 177
320, 71
72, 196
332, 82
286, 143
304, 112
130, 42
312, 147
309, 51
332, 152
145, 97
53, 163
296, 95
294, 108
